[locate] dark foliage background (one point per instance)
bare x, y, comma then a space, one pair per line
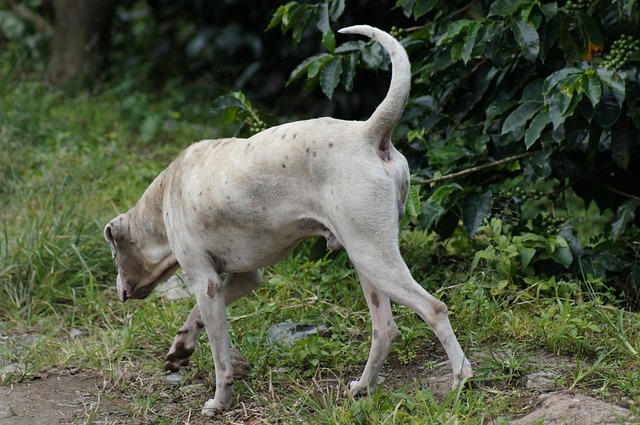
522, 127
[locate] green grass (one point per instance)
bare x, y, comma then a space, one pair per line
70, 163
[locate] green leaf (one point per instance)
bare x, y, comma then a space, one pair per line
559, 89
550, 10
455, 29
626, 213
435, 207
292, 11
407, 6
329, 40
276, 19
470, 41
372, 56
349, 63
613, 80
593, 90
607, 111
442, 193
423, 7
567, 43
527, 37
231, 100
590, 29
533, 92
413, 200
322, 18
505, 7
445, 155
519, 117
317, 65
526, 254
559, 250
304, 66
430, 213
538, 123
412, 206
476, 207
330, 76
557, 77
530, 240
350, 46
336, 9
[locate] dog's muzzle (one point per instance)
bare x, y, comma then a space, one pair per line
122, 292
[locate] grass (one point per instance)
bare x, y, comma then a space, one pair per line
72, 162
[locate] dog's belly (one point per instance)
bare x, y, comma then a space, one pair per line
238, 250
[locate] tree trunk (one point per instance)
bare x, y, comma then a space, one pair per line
81, 39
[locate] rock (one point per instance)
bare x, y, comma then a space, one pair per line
541, 381
172, 379
174, 289
13, 368
75, 333
286, 333
241, 367
563, 408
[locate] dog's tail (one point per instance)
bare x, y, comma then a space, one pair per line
384, 119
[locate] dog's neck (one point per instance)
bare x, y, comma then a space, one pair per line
147, 222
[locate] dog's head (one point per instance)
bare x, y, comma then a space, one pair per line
143, 261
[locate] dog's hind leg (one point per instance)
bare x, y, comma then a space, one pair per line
236, 286
384, 333
390, 275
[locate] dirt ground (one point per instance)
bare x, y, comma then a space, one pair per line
77, 396
73, 397
57, 398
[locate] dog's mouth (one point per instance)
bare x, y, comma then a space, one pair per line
127, 291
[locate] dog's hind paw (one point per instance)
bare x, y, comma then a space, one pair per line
462, 378
214, 407
358, 388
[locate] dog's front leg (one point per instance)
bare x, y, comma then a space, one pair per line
236, 285
185, 341
211, 302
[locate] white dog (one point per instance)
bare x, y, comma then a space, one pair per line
232, 206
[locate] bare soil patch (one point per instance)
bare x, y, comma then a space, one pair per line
57, 398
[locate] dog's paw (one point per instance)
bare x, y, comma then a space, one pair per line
221, 402
178, 356
357, 388
462, 378
214, 407
175, 365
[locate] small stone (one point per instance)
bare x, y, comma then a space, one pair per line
541, 381
172, 379
75, 333
241, 367
287, 333
174, 289
13, 368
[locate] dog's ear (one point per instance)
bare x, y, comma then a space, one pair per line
108, 235
114, 231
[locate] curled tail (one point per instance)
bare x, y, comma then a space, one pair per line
384, 119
